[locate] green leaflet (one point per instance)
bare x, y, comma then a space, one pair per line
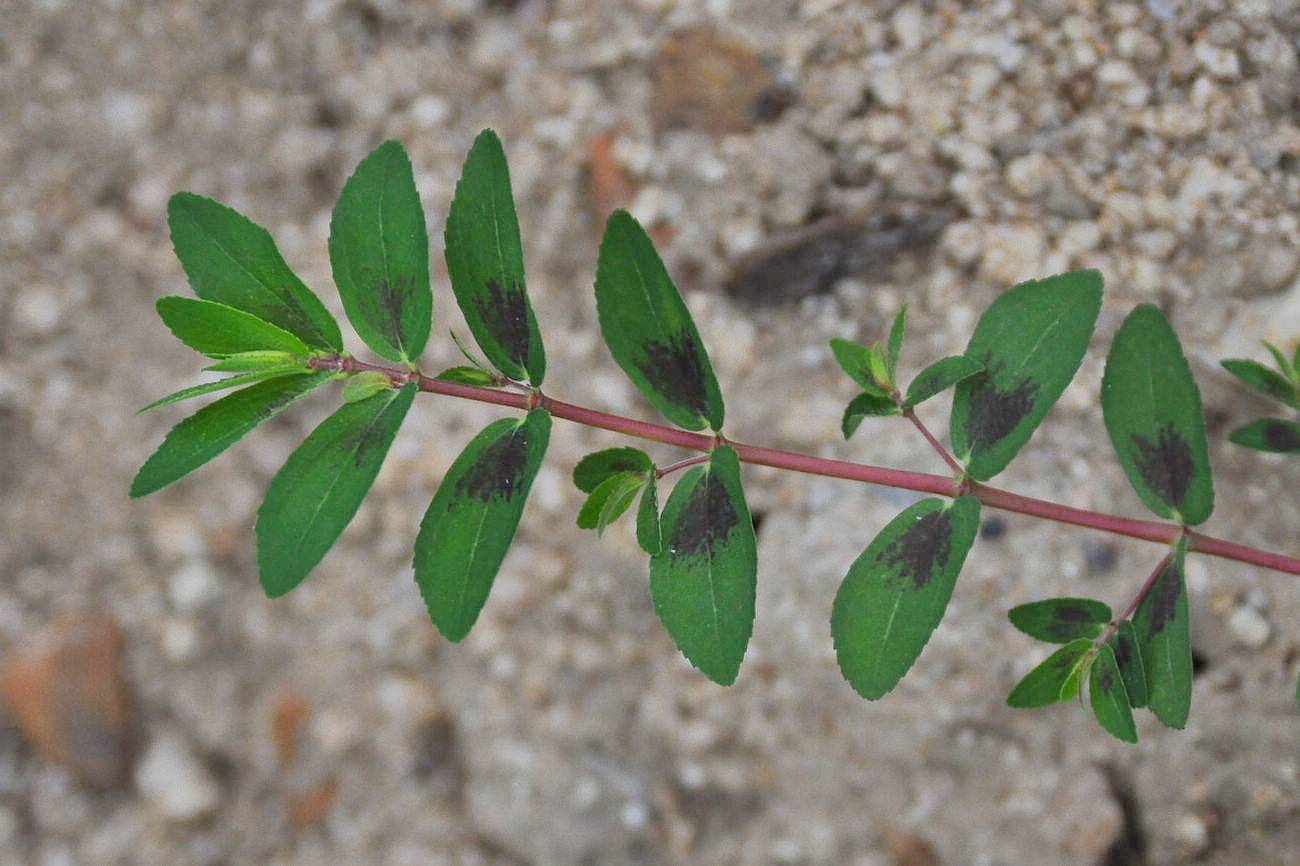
895, 343
1061, 620
1055, 679
862, 364
939, 377
320, 487
363, 386
1264, 380
485, 261
217, 426
609, 500
649, 330
220, 385
472, 519
647, 519
600, 465
232, 260
1277, 435
1153, 414
262, 361
218, 330
1164, 637
896, 592
1109, 698
464, 375
1030, 341
1128, 656
379, 252
866, 406
703, 579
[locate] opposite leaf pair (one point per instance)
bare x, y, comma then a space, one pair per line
1278, 435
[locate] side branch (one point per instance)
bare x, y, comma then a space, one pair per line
922, 482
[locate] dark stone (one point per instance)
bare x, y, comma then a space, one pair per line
505, 312
706, 519
922, 550
1099, 556
993, 528
1165, 464
675, 369
498, 471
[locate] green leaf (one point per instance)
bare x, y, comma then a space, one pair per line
218, 330
1164, 638
1030, 341
1061, 620
1109, 699
609, 500
647, 519
1128, 656
1153, 415
365, 385
703, 579
379, 252
649, 330
939, 377
866, 406
485, 261
259, 362
467, 376
232, 260
600, 465
320, 487
1295, 361
219, 385
1055, 679
896, 592
856, 361
896, 332
1269, 434
1284, 364
468, 528
1264, 379
217, 426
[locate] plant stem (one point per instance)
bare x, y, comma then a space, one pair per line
1135, 601
681, 464
910, 415
923, 482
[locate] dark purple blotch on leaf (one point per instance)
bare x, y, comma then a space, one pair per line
706, 518
505, 311
392, 297
1165, 464
498, 471
1281, 437
675, 370
1105, 679
1163, 599
1123, 649
922, 549
994, 412
1066, 620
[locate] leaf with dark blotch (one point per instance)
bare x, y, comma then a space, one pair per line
609, 500
232, 260
599, 465
218, 330
1061, 620
485, 260
1164, 638
1264, 380
866, 406
1056, 679
1152, 410
939, 377
649, 331
464, 375
221, 385
895, 343
1030, 342
1109, 698
216, 427
472, 519
320, 487
896, 592
1128, 656
379, 250
702, 581
855, 360
647, 520
1277, 435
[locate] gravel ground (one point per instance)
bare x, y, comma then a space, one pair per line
807, 167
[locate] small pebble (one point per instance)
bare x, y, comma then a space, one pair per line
175, 782
1249, 628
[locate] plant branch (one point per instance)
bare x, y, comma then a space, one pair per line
1135, 601
910, 415
923, 482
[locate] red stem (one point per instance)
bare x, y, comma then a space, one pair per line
1135, 601
923, 482
910, 415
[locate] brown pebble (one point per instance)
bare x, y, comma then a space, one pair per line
708, 80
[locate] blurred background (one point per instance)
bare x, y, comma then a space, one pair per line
807, 167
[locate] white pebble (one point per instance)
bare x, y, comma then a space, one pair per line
1249, 628
173, 780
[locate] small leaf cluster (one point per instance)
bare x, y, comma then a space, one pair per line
256, 319
1278, 435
